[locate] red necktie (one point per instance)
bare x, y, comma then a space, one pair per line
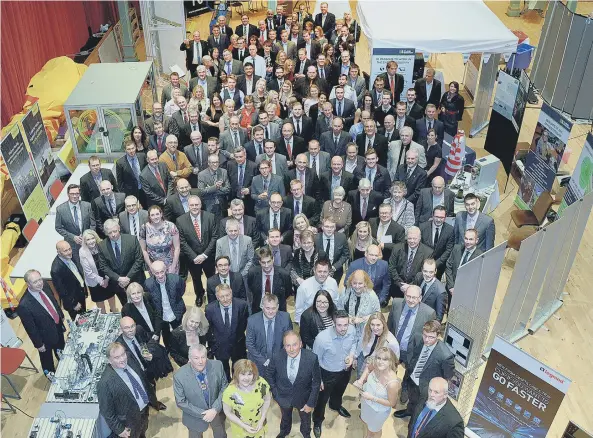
289, 149
50, 307
392, 86
160, 143
197, 228
185, 117
157, 174
268, 286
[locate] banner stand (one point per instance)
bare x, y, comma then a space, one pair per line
485, 89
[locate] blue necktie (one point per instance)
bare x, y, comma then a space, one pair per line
402, 329
117, 253
270, 339
137, 387
422, 420
204, 386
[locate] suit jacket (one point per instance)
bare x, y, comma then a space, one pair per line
379, 115
118, 405
424, 205
447, 423
174, 206
309, 206
279, 163
305, 64
306, 126
291, 48
249, 172
323, 124
281, 286
415, 182
212, 85
328, 26
381, 282
416, 112
149, 124
375, 199
189, 54
38, 323
257, 340
249, 228
341, 250
101, 212
435, 296
131, 264
166, 94
305, 388
326, 143
315, 49
155, 193
302, 87
226, 140
381, 179
251, 30
348, 109
236, 282
425, 314
199, 161
153, 143
129, 309
274, 131
379, 144
189, 397
191, 245
453, 263
395, 230
420, 131
484, 225
252, 152
399, 86
246, 252
444, 246
323, 159
180, 128
242, 83
297, 146
228, 343
395, 152
440, 363
262, 222
214, 199
175, 287
237, 55
276, 185
124, 221
223, 43
128, 182
65, 225
311, 188
66, 284
399, 260
236, 66
89, 189
325, 180
435, 92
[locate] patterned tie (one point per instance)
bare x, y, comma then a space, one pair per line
265, 185
340, 108
369, 144
228, 68
204, 387
227, 319
410, 262
235, 257
268, 285
117, 253
139, 391
421, 362
74, 270
134, 225
270, 338
314, 165
50, 308
289, 150
197, 228
292, 371
157, 174
277, 261
364, 208
75, 218
276, 223
236, 137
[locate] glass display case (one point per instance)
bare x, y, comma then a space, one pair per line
106, 104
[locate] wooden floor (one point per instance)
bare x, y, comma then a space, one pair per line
566, 345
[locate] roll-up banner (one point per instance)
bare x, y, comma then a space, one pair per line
581, 181
405, 65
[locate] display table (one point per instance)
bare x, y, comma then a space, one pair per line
83, 420
40, 251
491, 193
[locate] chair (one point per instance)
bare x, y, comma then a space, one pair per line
11, 359
517, 237
536, 217
10, 407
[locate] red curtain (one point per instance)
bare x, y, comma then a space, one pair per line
34, 32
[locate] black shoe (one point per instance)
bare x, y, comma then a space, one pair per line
317, 431
160, 406
343, 412
402, 413
199, 301
280, 436
384, 304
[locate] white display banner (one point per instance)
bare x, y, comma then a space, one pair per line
405, 63
9, 338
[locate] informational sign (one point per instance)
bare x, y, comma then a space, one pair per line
36, 137
581, 182
575, 431
405, 64
518, 395
510, 99
23, 175
543, 158
459, 343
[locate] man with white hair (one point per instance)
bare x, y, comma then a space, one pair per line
180, 121
364, 201
412, 175
398, 149
208, 83
406, 261
214, 187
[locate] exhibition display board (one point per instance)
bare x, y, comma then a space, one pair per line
581, 182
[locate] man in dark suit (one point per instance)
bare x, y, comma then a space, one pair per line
194, 50
343, 108
282, 254
385, 109
371, 140
302, 86
197, 154
90, 181
290, 145
364, 202
413, 175
299, 202
156, 180
337, 177
124, 394
428, 89
387, 231
428, 359
295, 378
245, 29
440, 237
275, 84
240, 51
132, 219
432, 196
305, 175
301, 64
388, 129
303, 126
433, 291
335, 246
413, 108
255, 146
198, 232
312, 47
217, 41
248, 76
276, 217
375, 173
266, 278
336, 140
460, 255
326, 20
167, 93
184, 122
166, 291
247, 224
377, 271
72, 218
178, 203
224, 275
68, 279
406, 261
107, 206
120, 258
229, 64
265, 331
225, 29
157, 141
157, 116
473, 218
240, 173
128, 169
228, 321
42, 319
429, 121
445, 423
394, 82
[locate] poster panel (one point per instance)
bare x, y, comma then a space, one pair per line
36, 137
405, 64
518, 395
581, 182
23, 175
510, 99
471, 74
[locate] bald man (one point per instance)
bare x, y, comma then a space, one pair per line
68, 279
107, 206
432, 196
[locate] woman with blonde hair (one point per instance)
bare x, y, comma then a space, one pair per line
338, 210
320, 37
260, 94
380, 391
141, 309
192, 331
289, 70
300, 223
273, 109
360, 240
198, 100
285, 92
359, 300
376, 334
281, 58
229, 111
94, 278
246, 401
311, 99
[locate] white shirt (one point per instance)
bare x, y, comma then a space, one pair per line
144, 314
126, 379
131, 343
168, 314
471, 220
350, 166
349, 93
324, 239
264, 276
428, 89
259, 65
272, 219
306, 293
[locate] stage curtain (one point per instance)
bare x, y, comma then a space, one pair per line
37, 31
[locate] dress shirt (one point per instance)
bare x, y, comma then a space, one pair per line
36, 295
266, 320
168, 314
344, 69
336, 181
428, 89
113, 242
230, 313
224, 280
333, 349
410, 171
78, 213
135, 165
434, 230
368, 139
72, 266
425, 285
306, 293
400, 123
120, 372
465, 251
297, 362
471, 221
263, 285
132, 347
371, 270
145, 315
350, 165
430, 350
300, 201
373, 173
184, 202
408, 331
330, 254
97, 178
272, 218
438, 200
411, 252
355, 130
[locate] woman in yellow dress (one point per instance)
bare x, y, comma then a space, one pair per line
246, 401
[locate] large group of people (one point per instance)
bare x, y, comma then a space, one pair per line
274, 173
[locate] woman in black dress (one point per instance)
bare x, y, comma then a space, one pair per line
434, 156
192, 331
141, 309
213, 115
318, 317
452, 105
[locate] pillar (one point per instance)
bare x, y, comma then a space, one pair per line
126, 30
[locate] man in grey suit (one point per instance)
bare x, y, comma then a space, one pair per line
356, 82
198, 387
107, 206
289, 47
430, 197
343, 107
460, 255
217, 41
168, 89
278, 162
132, 219
473, 218
433, 291
264, 333
214, 187
264, 185
197, 154
335, 246
238, 248
438, 234
72, 218
271, 130
208, 83
429, 122
230, 65
334, 142
233, 137
319, 161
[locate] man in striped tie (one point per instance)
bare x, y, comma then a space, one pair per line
427, 359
